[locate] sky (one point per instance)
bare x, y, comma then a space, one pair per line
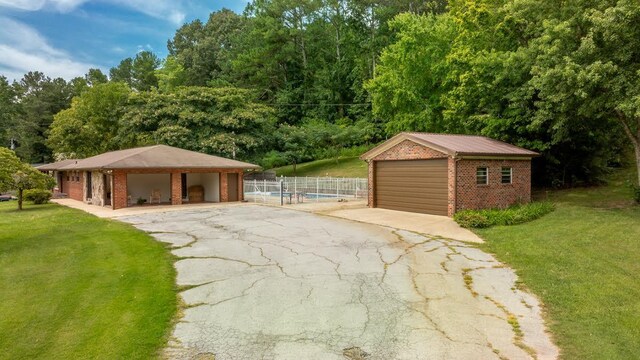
65, 38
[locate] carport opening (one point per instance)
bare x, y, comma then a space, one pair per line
200, 187
148, 189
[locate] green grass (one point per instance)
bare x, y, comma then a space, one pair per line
73, 286
342, 167
582, 260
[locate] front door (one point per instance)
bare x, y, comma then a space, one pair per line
232, 186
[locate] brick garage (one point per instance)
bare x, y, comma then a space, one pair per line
441, 174
154, 174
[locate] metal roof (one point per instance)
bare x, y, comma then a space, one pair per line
455, 145
56, 165
156, 156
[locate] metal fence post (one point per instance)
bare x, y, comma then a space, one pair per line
317, 189
281, 192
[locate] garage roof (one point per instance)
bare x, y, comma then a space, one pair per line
454, 145
156, 156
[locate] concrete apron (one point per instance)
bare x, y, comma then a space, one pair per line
432, 225
273, 283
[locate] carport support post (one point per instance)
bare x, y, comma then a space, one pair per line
281, 193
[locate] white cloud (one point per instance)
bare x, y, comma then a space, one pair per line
35, 5
23, 49
162, 9
169, 10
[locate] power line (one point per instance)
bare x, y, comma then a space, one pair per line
317, 104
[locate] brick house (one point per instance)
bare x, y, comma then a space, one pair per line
440, 173
148, 175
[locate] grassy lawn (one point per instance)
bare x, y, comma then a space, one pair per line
74, 286
342, 167
583, 261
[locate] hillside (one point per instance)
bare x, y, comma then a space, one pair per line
341, 167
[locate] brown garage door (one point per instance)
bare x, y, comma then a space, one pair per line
412, 185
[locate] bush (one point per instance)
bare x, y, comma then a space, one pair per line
471, 219
636, 194
513, 215
38, 196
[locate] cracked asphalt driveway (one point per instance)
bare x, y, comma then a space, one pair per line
269, 283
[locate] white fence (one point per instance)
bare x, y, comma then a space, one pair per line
291, 190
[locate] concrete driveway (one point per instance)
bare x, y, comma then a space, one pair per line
270, 283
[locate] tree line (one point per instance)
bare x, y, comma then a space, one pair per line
290, 81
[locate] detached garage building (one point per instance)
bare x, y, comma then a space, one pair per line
440, 174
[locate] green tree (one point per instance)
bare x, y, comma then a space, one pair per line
170, 74
40, 97
8, 113
202, 50
223, 121
123, 72
95, 77
90, 126
16, 175
144, 71
587, 69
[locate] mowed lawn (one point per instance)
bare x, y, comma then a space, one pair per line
351, 167
583, 261
73, 286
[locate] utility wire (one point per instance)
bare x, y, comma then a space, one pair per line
317, 104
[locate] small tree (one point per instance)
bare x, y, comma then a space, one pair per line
16, 175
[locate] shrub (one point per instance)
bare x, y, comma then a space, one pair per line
471, 219
513, 215
636, 194
38, 196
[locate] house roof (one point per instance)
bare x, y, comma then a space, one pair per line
56, 165
156, 156
454, 145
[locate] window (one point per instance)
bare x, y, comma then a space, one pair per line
507, 173
482, 176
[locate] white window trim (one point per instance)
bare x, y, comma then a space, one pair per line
510, 175
486, 177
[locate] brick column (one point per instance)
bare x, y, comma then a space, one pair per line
224, 189
176, 188
451, 186
119, 190
240, 186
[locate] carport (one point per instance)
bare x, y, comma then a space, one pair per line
157, 174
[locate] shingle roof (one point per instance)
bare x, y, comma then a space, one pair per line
56, 165
455, 145
156, 156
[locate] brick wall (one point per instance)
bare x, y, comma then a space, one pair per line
176, 188
119, 189
224, 187
495, 194
72, 187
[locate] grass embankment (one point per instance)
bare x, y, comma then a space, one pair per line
351, 167
74, 286
582, 260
